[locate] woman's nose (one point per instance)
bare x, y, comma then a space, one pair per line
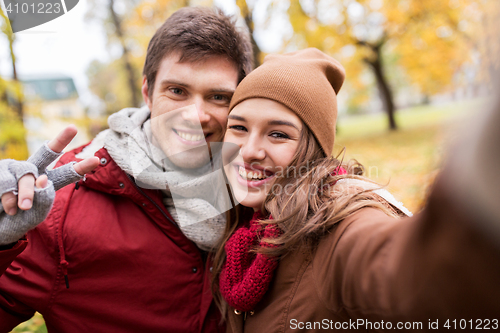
252, 150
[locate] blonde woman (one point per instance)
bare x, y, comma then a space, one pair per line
313, 245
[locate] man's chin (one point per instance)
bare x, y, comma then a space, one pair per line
191, 159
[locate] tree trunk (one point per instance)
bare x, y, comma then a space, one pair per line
132, 81
383, 85
255, 48
18, 102
247, 15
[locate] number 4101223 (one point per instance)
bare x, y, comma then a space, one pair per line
471, 324
39, 8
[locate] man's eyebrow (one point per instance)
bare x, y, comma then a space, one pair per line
182, 84
236, 117
282, 122
179, 83
223, 90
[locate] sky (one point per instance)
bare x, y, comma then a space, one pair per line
66, 45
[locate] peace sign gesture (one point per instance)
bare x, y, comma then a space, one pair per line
29, 186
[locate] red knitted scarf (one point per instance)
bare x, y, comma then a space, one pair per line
245, 277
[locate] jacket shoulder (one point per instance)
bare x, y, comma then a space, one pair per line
333, 264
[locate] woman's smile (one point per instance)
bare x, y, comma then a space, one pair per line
252, 176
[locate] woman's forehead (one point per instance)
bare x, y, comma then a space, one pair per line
263, 110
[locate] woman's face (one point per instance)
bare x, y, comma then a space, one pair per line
267, 134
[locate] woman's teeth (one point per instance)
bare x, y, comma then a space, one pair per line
251, 175
190, 137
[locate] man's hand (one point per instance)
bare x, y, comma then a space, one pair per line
27, 183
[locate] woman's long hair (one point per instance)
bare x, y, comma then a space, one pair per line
304, 204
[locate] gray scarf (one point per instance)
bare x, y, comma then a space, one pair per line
196, 199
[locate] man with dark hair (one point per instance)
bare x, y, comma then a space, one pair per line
124, 249
197, 33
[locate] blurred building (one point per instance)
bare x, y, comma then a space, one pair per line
51, 104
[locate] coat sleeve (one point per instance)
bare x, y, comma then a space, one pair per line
443, 263
433, 265
12, 313
8, 255
28, 271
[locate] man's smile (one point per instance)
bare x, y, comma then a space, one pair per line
190, 135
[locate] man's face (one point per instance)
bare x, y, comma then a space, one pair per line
189, 107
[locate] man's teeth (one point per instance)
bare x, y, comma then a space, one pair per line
251, 175
190, 137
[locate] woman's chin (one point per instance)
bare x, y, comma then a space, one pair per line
251, 197
248, 199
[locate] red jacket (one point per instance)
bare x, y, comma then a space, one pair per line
127, 265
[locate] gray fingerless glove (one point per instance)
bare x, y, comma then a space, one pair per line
11, 171
12, 228
60, 177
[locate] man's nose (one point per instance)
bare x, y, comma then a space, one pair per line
197, 113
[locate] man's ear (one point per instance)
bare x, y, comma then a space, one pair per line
145, 94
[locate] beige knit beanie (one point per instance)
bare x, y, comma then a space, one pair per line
306, 81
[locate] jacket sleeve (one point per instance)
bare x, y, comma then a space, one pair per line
8, 255
9, 320
433, 265
28, 270
443, 263
12, 313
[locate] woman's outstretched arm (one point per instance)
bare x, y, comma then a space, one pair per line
443, 263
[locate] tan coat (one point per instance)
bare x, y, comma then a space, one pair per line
412, 271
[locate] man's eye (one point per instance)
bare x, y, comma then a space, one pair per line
221, 98
176, 91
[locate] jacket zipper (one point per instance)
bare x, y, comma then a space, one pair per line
152, 201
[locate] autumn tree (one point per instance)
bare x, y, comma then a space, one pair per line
145, 18
483, 24
118, 82
132, 78
116, 35
108, 81
12, 132
247, 14
425, 37
11, 38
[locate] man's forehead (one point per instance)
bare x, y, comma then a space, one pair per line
220, 70
178, 57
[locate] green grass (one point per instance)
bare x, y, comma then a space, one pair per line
414, 117
407, 159
34, 325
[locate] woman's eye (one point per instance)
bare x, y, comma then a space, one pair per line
237, 128
279, 135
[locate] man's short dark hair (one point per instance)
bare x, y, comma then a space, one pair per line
197, 34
